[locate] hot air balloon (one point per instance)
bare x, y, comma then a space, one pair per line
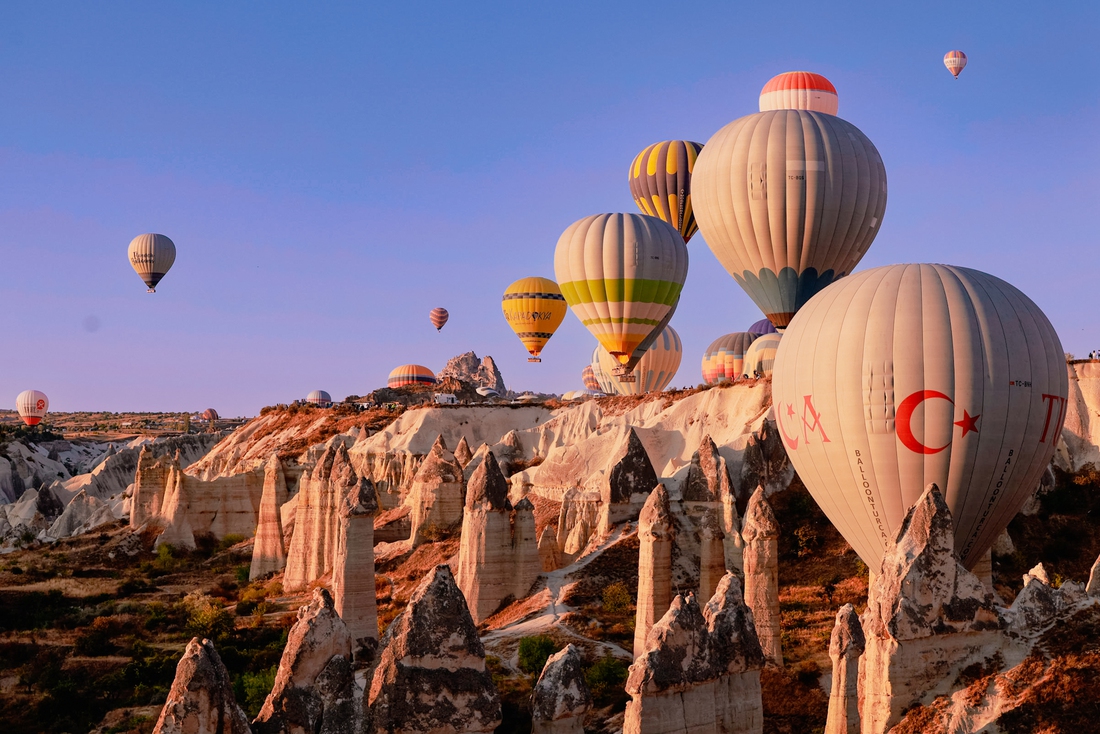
439, 317
410, 374
32, 406
799, 90
725, 357
955, 61
534, 308
760, 356
904, 375
621, 274
788, 200
319, 397
588, 375
151, 255
656, 368
604, 379
660, 181
210, 415
761, 327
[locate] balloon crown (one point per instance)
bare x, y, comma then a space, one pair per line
799, 90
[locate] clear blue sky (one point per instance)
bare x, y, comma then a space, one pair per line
330, 172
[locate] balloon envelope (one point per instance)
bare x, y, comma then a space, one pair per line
32, 406
534, 308
954, 61
438, 317
904, 375
319, 397
588, 375
210, 415
151, 255
725, 357
660, 182
788, 201
410, 374
760, 356
761, 327
621, 274
799, 90
655, 369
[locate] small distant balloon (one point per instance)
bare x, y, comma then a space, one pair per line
151, 256
439, 317
955, 61
91, 324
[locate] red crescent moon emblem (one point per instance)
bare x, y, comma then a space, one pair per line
792, 443
905, 417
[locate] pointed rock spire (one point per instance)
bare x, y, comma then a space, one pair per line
708, 478
201, 698
487, 487
463, 454
761, 559
712, 553
845, 646
631, 472
561, 697
656, 531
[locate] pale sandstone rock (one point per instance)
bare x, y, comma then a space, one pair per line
578, 519
467, 368
927, 617
201, 698
431, 676
700, 670
561, 697
527, 566
149, 482
708, 478
712, 554
1003, 545
549, 555
845, 646
436, 497
761, 560
765, 462
463, 454
313, 506
1039, 604
83, 513
656, 531
485, 562
353, 567
314, 691
268, 552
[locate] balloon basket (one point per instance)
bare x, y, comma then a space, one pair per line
151, 290
533, 359
627, 378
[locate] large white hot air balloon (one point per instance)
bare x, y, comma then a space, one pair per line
151, 255
32, 406
789, 200
654, 370
621, 274
904, 375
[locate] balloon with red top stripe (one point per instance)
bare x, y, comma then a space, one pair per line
799, 90
32, 406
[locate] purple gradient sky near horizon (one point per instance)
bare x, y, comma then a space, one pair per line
329, 174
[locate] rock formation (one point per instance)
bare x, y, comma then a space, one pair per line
268, 552
481, 373
484, 555
761, 558
353, 567
708, 485
560, 698
463, 454
845, 647
549, 554
1039, 604
314, 692
1093, 586
201, 698
712, 554
83, 513
927, 617
436, 497
630, 478
765, 462
578, 519
656, 531
431, 675
700, 670
498, 554
149, 482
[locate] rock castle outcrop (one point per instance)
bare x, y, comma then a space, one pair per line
468, 368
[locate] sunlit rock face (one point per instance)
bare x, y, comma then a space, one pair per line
437, 494
656, 532
700, 670
431, 675
927, 617
760, 531
201, 698
268, 552
845, 646
561, 697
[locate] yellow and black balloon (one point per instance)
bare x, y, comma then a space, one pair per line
534, 308
660, 181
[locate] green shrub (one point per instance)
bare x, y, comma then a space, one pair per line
241, 573
205, 617
617, 599
606, 678
231, 540
95, 640
251, 689
533, 652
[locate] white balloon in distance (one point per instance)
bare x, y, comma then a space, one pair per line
903, 375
